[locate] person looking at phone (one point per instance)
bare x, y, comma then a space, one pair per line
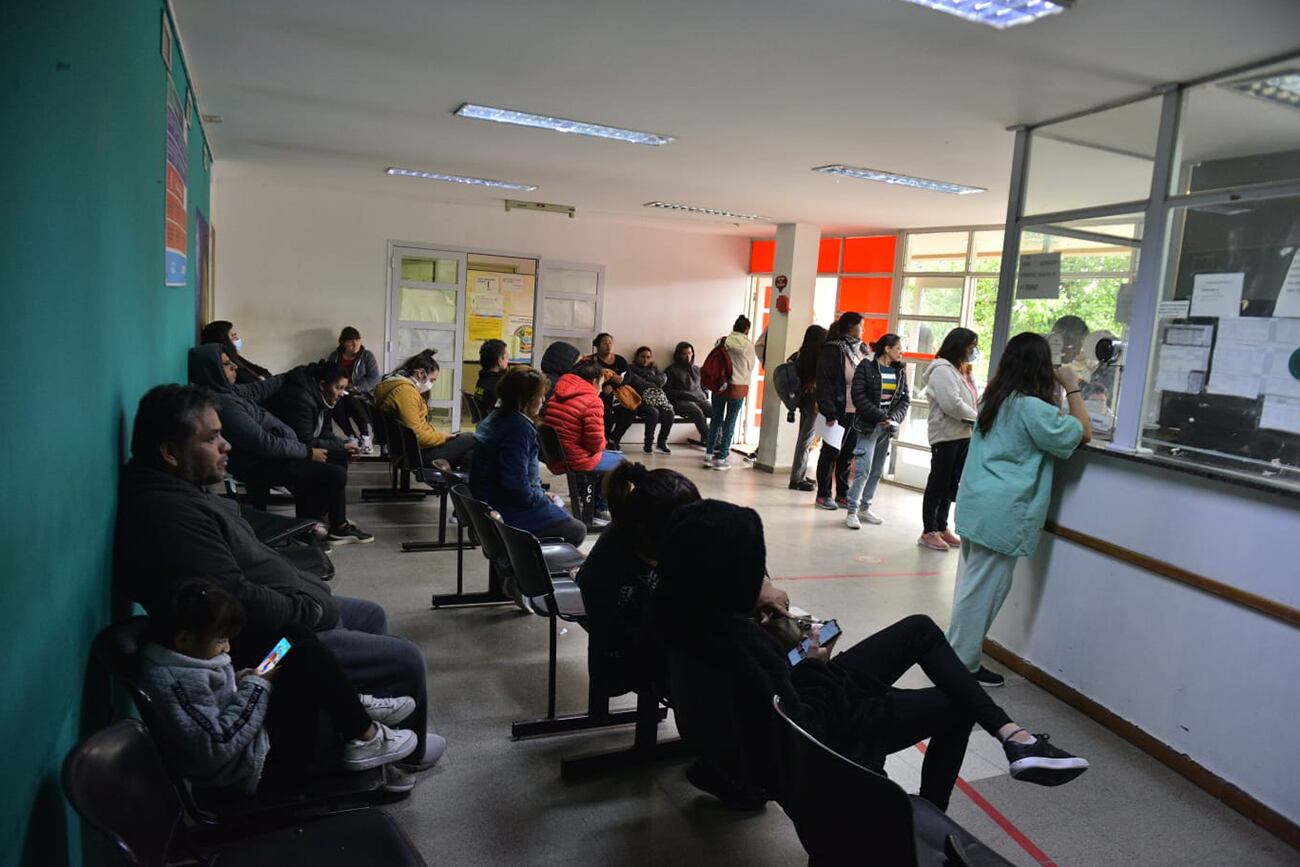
171, 527
511, 481
233, 730
404, 393
711, 571
880, 396
1019, 436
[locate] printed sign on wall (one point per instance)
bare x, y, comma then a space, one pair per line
175, 264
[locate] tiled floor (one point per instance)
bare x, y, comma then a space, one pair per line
494, 801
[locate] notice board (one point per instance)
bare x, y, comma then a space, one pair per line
500, 306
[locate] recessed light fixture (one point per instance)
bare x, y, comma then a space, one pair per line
998, 13
712, 212
461, 179
560, 124
1282, 87
899, 180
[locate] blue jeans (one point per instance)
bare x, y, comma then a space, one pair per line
722, 425
869, 453
608, 461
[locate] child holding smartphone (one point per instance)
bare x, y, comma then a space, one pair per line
224, 725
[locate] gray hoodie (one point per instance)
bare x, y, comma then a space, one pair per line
253, 433
214, 723
952, 403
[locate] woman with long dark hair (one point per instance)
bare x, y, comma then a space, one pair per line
1019, 436
953, 399
805, 362
353, 411
880, 400
223, 332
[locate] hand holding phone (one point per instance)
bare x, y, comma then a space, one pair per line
825, 635
273, 658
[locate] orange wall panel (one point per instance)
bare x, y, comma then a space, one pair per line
761, 256
873, 255
828, 256
865, 294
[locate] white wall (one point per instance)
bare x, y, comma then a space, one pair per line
1203, 675
299, 256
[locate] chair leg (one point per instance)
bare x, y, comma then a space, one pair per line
441, 544
646, 748
550, 680
598, 715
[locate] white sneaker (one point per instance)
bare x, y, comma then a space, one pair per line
434, 747
871, 517
721, 464
388, 745
708, 463
389, 711
852, 521
352, 441
368, 444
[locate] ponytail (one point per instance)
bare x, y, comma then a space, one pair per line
641, 501
885, 341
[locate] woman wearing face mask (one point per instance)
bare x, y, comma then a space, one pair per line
223, 332
880, 400
404, 393
953, 411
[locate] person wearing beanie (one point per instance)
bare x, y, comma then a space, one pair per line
710, 573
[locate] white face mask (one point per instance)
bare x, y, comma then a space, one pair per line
975, 355
239, 344
424, 386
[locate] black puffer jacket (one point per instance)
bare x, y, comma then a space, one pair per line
866, 396
832, 384
301, 406
169, 529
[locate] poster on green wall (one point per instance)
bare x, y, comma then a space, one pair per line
175, 265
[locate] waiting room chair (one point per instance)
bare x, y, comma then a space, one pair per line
439, 482
475, 516
292, 539
847, 814
476, 413
399, 477
582, 485
116, 780
117, 648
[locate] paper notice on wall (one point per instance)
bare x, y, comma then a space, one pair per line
832, 435
1238, 368
1040, 276
1182, 368
1281, 413
519, 338
1217, 294
1124, 302
1288, 298
485, 328
1173, 309
485, 295
517, 294
1244, 334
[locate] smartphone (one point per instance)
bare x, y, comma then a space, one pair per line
829, 632
273, 658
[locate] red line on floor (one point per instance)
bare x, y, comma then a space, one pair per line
859, 575
1002, 821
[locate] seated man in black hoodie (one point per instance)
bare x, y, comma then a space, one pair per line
170, 527
265, 449
711, 571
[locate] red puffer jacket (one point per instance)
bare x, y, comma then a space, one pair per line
578, 416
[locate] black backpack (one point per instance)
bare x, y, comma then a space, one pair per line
788, 385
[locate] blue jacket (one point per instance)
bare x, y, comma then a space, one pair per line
507, 475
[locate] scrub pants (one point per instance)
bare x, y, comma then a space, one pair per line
982, 587
722, 426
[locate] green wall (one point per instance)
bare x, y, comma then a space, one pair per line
86, 327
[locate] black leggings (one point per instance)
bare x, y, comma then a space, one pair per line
309, 682
697, 413
947, 460
836, 462
319, 489
353, 416
944, 713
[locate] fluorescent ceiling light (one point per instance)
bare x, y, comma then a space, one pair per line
998, 13
899, 180
1282, 87
461, 179
712, 212
560, 124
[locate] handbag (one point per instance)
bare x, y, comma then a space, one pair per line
655, 397
626, 397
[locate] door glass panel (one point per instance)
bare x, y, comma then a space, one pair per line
923, 337
931, 296
915, 426
583, 344
566, 280
431, 270
442, 341
440, 416
428, 305
936, 251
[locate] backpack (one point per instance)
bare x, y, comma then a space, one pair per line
715, 373
788, 385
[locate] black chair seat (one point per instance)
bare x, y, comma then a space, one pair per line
309, 559
568, 601
275, 529
562, 559
931, 828
366, 838
313, 796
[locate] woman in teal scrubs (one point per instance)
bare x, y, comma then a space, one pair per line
1002, 501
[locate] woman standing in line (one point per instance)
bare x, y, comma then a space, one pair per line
1019, 435
805, 362
727, 403
881, 399
953, 400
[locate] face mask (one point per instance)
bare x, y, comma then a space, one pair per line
975, 355
239, 344
424, 386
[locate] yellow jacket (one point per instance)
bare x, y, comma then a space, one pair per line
397, 394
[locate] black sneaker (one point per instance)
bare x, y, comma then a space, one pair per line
1042, 763
704, 777
613, 447
647, 448
663, 449
989, 679
805, 485
348, 532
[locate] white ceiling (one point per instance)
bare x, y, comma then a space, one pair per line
757, 92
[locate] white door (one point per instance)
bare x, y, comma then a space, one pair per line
569, 301
426, 310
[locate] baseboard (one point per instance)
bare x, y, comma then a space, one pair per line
1261, 814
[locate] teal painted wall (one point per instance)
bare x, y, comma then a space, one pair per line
87, 327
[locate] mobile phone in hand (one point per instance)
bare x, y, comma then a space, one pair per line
273, 658
829, 632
